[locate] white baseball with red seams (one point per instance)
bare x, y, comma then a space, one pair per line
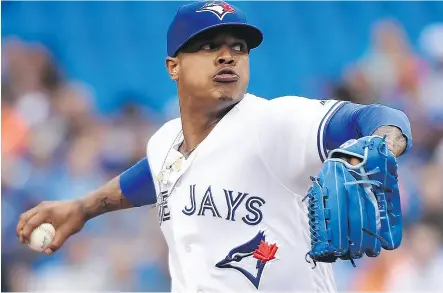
42, 237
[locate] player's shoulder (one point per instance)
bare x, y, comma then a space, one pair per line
166, 133
300, 105
251, 102
302, 101
254, 101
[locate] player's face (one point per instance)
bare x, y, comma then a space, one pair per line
213, 66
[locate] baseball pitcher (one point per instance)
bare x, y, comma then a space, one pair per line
252, 194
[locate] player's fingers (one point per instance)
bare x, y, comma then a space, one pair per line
354, 161
61, 235
32, 224
24, 218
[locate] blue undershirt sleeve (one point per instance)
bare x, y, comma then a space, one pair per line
137, 184
353, 121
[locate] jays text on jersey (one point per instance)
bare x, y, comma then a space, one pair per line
232, 213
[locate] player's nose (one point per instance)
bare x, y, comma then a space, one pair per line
225, 56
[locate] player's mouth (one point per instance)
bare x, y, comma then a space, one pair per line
226, 75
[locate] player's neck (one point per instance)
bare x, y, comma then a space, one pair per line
198, 121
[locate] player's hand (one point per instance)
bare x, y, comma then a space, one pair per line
67, 217
354, 161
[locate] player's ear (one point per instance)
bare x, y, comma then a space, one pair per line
173, 67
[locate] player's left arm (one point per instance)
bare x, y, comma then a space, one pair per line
295, 134
353, 121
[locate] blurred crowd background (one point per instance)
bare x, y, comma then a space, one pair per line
84, 86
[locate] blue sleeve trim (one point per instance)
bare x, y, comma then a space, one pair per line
343, 126
137, 184
354, 121
321, 143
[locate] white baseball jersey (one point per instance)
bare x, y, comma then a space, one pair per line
232, 213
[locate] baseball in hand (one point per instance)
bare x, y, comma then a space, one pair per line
41, 237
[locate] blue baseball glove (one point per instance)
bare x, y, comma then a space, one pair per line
355, 210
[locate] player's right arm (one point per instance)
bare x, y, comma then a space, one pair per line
132, 188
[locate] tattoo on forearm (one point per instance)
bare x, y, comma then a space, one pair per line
107, 199
109, 204
394, 137
123, 200
104, 203
86, 213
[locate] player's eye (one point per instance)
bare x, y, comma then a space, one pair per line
208, 46
239, 47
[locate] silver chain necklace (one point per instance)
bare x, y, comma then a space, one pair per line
176, 165
163, 177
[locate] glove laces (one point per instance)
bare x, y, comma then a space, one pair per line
313, 205
312, 213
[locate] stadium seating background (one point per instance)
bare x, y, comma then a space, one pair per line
120, 47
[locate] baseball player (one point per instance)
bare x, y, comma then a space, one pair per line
231, 173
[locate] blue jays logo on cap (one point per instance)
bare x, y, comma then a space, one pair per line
255, 249
197, 17
220, 9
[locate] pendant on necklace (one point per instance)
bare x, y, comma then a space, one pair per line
177, 164
163, 176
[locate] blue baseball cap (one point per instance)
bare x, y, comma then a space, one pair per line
198, 17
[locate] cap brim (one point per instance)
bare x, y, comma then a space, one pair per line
251, 34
